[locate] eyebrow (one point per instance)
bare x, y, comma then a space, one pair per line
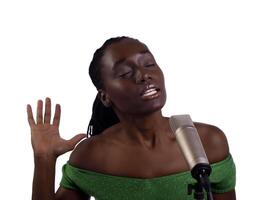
123, 59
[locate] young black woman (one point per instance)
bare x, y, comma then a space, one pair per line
135, 156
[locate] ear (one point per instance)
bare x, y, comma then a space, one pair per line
104, 97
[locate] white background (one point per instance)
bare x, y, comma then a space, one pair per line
213, 54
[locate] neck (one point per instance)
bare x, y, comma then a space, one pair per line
146, 130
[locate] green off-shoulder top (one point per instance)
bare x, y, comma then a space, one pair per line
170, 187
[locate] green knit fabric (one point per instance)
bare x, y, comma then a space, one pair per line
170, 187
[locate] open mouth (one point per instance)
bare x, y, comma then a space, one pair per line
150, 92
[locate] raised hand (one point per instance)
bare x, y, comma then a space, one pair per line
45, 137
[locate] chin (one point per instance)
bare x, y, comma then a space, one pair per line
147, 110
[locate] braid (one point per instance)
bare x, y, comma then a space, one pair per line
102, 117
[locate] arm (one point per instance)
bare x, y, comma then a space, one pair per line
67, 194
221, 148
43, 183
216, 146
225, 196
43, 178
47, 146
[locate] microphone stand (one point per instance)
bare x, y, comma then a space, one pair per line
201, 173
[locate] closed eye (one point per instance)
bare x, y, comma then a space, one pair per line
126, 74
150, 65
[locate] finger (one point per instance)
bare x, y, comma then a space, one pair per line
47, 116
30, 116
39, 116
73, 141
56, 119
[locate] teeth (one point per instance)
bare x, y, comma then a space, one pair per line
150, 92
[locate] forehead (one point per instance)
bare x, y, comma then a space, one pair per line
121, 50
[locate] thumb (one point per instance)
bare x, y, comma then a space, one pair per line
73, 141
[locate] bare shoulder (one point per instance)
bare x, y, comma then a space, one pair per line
89, 154
98, 153
214, 141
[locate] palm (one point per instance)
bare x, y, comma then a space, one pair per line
45, 135
46, 138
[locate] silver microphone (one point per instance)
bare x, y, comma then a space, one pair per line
188, 140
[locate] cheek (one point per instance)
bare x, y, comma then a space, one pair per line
120, 93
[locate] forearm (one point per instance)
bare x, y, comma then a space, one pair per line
47, 146
225, 196
44, 178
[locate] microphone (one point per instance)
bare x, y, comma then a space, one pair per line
189, 141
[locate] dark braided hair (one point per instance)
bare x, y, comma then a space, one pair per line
102, 117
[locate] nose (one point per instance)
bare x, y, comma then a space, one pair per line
142, 76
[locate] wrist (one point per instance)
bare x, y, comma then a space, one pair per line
44, 157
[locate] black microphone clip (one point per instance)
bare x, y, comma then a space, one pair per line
201, 173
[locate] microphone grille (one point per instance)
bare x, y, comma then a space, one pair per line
178, 121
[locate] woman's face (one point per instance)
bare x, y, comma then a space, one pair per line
133, 82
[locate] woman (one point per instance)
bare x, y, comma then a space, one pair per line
132, 153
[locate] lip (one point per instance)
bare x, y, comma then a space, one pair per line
148, 87
150, 97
